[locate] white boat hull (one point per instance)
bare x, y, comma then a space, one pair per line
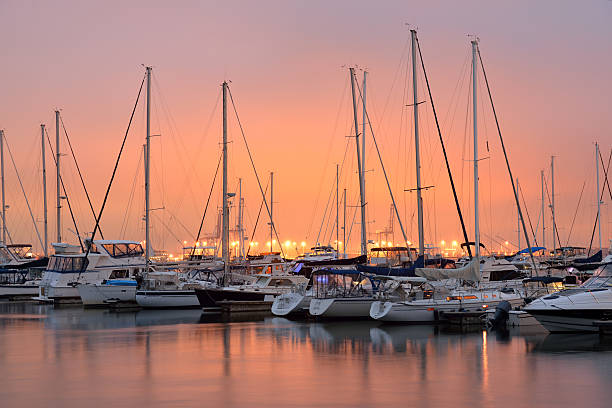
103, 295
288, 303
341, 307
57, 293
425, 311
165, 299
7, 291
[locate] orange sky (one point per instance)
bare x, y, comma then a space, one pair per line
548, 64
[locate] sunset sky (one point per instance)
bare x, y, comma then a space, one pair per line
548, 62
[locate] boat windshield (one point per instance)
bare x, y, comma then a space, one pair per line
124, 250
602, 278
66, 264
334, 285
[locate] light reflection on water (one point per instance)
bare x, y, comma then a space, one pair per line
74, 357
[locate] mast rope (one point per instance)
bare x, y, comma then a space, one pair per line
206, 207
256, 175
76, 228
448, 169
110, 183
257, 222
575, 214
76, 163
535, 239
603, 189
23, 191
501, 139
399, 220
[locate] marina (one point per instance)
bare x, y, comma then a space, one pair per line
306, 204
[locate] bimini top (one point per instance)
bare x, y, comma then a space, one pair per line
533, 249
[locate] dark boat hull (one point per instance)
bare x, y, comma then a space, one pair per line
210, 297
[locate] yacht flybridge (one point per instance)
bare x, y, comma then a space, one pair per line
106, 259
577, 310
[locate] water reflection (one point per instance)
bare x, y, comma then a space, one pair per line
74, 357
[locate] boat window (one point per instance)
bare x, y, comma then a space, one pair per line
602, 278
123, 250
66, 264
119, 274
280, 282
470, 297
449, 298
5, 255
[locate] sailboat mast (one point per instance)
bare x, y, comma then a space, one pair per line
148, 174
44, 186
552, 187
543, 212
597, 192
518, 218
363, 129
271, 213
416, 144
337, 211
344, 226
364, 244
475, 109
2, 177
225, 221
240, 234
57, 178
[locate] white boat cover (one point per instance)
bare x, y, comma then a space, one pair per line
470, 272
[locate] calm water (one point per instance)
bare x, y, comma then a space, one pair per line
94, 358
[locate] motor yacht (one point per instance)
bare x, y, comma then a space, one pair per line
579, 309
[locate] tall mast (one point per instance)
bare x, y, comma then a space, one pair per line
543, 212
2, 177
44, 186
148, 174
271, 213
552, 184
225, 221
240, 240
363, 129
518, 218
57, 178
416, 144
475, 109
364, 244
597, 192
344, 226
337, 211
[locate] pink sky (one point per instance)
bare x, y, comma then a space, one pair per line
548, 62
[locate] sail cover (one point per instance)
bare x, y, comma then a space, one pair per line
470, 272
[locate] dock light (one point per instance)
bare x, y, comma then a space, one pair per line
454, 243
506, 242
389, 244
294, 243
303, 244
409, 243
274, 241
268, 243
251, 244
184, 242
198, 244
442, 242
287, 243
383, 243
